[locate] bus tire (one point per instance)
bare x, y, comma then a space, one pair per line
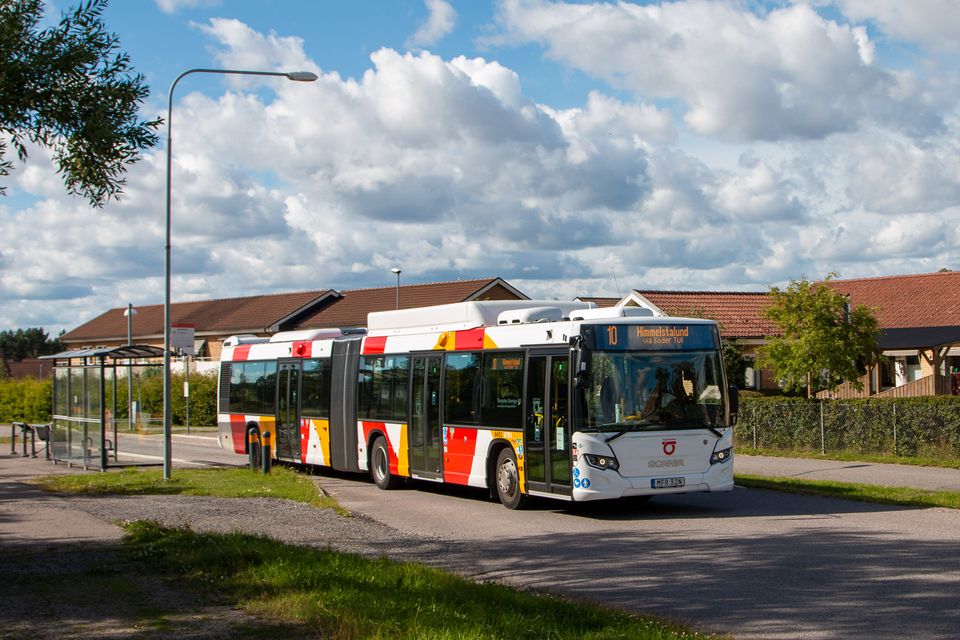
380, 465
507, 479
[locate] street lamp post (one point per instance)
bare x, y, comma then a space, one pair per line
297, 76
130, 312
397, 271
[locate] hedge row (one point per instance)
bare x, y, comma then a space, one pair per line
30, 400
24, 400
926, 427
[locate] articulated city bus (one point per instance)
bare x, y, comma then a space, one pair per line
524, 398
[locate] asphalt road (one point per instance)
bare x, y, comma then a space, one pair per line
753, 563
193, 451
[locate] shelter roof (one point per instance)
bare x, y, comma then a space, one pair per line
918, 338
113, 353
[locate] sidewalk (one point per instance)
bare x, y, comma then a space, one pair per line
890, 475
29, 516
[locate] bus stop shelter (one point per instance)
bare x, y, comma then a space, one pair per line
93, 393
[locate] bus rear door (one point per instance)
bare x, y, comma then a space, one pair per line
288, 411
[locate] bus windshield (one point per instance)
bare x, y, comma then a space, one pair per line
643, 390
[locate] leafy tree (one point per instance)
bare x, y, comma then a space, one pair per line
28, 343
69, 90
824, 342
733, 362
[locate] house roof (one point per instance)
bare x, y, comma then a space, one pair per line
740, 313
351, 309
921, 300
224, 316
600, 302
27, 368
282, 311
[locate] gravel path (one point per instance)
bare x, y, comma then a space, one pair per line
50, 544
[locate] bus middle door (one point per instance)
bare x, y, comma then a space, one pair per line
426, 441
288, 411
547, 422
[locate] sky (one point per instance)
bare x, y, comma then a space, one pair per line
571, 148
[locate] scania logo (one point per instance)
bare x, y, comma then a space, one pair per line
654, 464
669, 447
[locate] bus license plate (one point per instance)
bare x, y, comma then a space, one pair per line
667, 483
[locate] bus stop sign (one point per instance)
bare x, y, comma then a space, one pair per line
181, 337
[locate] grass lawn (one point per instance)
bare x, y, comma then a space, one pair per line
946, 463
224, 483
850, 491
306, 592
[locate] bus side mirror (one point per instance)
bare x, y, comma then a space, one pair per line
581, 363
734, 403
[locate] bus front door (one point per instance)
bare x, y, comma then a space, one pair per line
425, 439
547, 430
288, 411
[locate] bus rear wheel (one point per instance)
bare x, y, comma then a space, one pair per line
508, 480
380, 465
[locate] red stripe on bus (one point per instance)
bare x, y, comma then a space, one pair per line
302, 349
469, 339
238, 433
369, 428
374, 345
460, 445
241, 352
304, 439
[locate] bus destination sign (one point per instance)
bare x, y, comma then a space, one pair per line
669, 337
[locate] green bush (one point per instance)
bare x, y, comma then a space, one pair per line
926, 427
31, 400
25, 399
149, 390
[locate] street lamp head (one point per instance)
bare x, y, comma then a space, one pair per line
301, 76
396, 270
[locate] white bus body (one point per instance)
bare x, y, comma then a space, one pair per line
525, 398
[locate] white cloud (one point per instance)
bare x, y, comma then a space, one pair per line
240, 47
448, 169
440, 23
173, 6
742, 76
929, 23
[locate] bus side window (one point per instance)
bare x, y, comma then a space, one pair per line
502, 381
461, 388
315, 399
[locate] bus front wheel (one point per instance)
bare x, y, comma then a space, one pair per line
380, 465
508, 480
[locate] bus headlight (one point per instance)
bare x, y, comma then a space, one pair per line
721, 456
601, 462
